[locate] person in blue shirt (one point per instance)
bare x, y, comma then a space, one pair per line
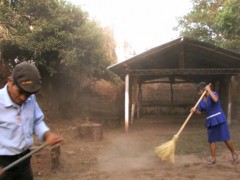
215, 123
20, 119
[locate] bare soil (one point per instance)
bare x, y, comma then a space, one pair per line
121, 155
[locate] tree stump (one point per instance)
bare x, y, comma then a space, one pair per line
46, 161
91, 131
96, 130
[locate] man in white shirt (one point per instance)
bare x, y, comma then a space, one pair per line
20, 119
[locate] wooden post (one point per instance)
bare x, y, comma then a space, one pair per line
171, 93
126, 102
134, 97
47, 160
171, 80
139, 100
229, 112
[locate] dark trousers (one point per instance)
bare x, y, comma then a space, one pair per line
21, 171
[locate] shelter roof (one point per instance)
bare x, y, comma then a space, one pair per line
182, 59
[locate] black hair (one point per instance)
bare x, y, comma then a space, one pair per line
201, 86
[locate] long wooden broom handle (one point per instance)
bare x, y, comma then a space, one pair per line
190, 115
23, 158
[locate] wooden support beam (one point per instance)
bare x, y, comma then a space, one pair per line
126, 102
167, 72
134, 97
171, 93
139, 100
229, 112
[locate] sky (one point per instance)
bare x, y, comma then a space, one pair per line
144, 24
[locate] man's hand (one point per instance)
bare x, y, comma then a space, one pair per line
52, 138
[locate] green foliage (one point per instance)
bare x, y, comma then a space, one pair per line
228, 22
228, 19
68, 48
57, 36
213, 21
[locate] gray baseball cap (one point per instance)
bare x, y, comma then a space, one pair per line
27, 77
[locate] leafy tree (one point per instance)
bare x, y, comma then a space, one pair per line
56, 36
227, 23
64, 43
4, 68
210, 20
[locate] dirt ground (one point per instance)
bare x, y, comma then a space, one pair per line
129, 156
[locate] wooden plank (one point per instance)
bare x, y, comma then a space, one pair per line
217, 71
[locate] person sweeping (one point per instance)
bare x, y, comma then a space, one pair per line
166, 151
216, 123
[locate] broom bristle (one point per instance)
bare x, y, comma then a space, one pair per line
166, 151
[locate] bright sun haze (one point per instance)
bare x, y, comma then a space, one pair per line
142, 24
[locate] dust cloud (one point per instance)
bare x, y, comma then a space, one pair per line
125, 153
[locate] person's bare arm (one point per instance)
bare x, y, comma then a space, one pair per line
195, 111
210, 92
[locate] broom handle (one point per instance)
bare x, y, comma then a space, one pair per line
190, 115
23, 158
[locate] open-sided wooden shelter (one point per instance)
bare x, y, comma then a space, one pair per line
179, 61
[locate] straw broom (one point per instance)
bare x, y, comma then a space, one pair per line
166, 151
